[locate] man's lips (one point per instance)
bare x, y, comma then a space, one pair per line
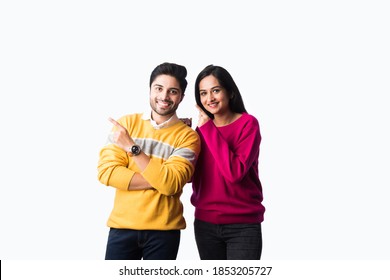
163, 103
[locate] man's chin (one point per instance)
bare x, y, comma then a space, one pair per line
162, 112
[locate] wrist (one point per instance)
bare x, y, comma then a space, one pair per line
133, 150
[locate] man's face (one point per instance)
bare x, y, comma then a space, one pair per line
165, 96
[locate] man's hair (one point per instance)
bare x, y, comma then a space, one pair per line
177, 71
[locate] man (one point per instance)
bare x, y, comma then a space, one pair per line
153, 156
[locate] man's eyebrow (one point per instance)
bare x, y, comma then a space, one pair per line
158, 85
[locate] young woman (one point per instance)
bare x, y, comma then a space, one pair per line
227, 193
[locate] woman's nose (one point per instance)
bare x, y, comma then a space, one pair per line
210, 97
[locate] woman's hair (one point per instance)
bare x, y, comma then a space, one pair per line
226, 81
177, 71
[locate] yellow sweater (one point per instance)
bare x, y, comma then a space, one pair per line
173, 151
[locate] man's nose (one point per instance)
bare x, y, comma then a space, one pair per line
164, 94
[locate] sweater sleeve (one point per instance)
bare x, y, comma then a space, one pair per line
113, 163
233, 161
170, 176
112, 167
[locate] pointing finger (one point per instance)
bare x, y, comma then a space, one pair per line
199, 109
114, 122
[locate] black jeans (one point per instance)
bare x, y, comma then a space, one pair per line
127, 244
228, 241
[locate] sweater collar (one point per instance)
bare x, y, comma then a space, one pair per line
147, 116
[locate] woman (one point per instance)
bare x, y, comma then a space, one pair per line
227, 193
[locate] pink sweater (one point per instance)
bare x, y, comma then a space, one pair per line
226, 184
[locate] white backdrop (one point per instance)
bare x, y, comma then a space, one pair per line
315, 74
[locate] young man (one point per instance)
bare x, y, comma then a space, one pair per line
152, 157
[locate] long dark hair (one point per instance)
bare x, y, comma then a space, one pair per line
224, 78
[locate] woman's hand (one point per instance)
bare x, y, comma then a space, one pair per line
121, 136
203, 117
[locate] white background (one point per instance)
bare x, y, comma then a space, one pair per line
315, 74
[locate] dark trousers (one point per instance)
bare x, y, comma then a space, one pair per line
228, 241
127, 244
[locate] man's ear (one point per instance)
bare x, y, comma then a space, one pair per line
182, 96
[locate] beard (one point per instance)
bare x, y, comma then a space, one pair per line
166, 111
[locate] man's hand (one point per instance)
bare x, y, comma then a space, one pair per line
121, 136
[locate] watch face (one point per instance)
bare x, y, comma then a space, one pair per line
135, 150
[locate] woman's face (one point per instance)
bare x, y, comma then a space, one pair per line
213, 96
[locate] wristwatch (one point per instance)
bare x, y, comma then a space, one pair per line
134, 150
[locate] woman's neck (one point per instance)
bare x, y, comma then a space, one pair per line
226, 119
